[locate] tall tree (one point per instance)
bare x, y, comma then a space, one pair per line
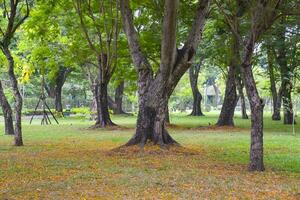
13, 17
99, 22
262, 15
155, 90
231, 98
286, 69
276, 96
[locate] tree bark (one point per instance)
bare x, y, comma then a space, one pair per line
275, 96
167, 115
240, 87
257, 106
230, 100
154, 91
286, 73
17, 97
7, 113
197, 97
58, 102
117, 105
100, 86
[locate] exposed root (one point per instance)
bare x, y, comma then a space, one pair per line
219, 128
111, 125
151, 149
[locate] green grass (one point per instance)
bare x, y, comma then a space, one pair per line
58, 160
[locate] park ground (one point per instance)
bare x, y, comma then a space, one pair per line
70, 161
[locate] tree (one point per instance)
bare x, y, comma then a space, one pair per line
286, 68
197, 97
262, 15
106, 31
14, 16
231, 98
276, 96
155, 90
7, 113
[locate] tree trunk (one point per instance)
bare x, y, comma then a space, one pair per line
257, 106
154, 91
286, 74
197, 97
7, 113
58, 103
117, 105
240, 86
277, 108
287, 102
167, 115
103, 116
230, 100
17, 97
151, 124
275, 96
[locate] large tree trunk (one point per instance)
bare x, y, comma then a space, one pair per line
197, 97
257, 106
230, 100
17, 97
151, 122
275, 96
7, 113
154, 91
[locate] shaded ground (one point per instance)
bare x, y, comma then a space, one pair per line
72, 162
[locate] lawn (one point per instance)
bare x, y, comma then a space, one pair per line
69, 161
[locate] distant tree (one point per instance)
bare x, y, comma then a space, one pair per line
99, 23
197, 97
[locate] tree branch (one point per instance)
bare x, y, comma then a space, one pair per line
139, 59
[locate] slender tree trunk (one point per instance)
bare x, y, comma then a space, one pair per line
286, 74
257, 106
287, 103
167, 115
240, 86
230, 100
17, 96
275, 96
197, 97
7, 113
276, 115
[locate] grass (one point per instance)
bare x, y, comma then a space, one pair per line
68, 161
